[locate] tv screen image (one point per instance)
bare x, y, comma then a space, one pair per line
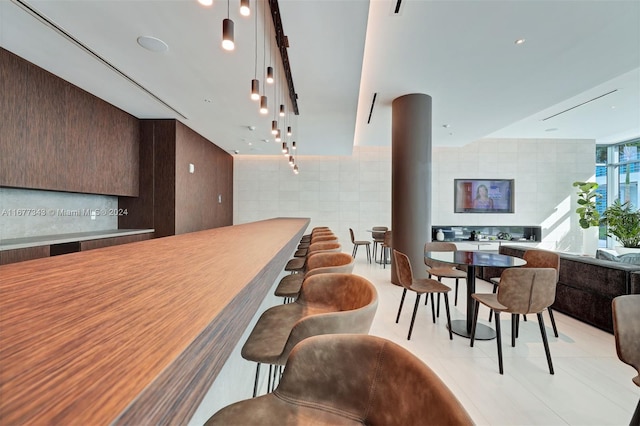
483, 196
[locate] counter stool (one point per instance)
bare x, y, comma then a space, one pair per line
298, 264
327, 304
351, 379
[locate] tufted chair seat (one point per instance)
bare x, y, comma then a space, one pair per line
328, 304
318, 263
351, 379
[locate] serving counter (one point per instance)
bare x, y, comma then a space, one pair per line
135, 333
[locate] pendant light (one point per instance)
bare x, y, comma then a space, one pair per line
227, 32
270, 68
284, 147
293, 145
270, 75
245, 10
264, 109
278, 135
295, 169
289, 131
281, 110
291, 162
255, 83
274, 127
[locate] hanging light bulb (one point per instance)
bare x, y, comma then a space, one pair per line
278, 135
291, 162
255, 90
286, 152
289, 131
284, 147
281, 110
295, 169
263, 105
245, 10
293, 145
270, 75
274, 127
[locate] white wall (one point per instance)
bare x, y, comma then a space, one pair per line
344, 192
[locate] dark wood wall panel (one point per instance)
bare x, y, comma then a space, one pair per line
114, 241
20, 255
62, 138
197, 206
164, 185
13, 88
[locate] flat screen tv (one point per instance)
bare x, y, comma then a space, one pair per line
483, 196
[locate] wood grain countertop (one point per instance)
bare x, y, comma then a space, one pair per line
132, 334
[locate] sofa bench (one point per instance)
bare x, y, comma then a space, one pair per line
586, 285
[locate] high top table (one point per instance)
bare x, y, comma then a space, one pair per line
133, 334
472, 259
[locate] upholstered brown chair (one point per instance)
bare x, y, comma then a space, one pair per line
358, 243
377, 235
626, 329
419, 286
307, 237
298, 264
443, 270
318, 263
351, 380
521, 291
537, 258
322, 236
327, 304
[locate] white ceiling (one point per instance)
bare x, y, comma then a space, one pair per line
462, 53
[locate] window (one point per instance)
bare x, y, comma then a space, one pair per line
618, 174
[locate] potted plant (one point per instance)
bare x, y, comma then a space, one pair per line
587, 196
623, 223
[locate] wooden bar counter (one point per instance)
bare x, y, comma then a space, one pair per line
132, 334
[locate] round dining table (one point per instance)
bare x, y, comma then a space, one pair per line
472, 259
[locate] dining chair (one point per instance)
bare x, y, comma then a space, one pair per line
385, 248
357, 243
350, 379
537, 258
521, 291
626, 330
377, 236
443, 270
420, 286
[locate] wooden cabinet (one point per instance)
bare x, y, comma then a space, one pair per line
113, 241
22, 254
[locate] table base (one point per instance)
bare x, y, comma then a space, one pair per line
483, 332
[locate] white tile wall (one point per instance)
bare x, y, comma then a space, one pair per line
355, 192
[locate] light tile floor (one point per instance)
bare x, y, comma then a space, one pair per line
591, 386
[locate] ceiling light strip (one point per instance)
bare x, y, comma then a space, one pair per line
576, 106
282, 43
84, 47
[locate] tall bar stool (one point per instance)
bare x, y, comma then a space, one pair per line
318, 263
351, 379
327, 304
299, 264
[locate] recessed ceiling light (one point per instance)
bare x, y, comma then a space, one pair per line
520, 41
207, 100
446, 126
153, 44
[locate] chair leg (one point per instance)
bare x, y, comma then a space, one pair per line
446, 307
635, 420
499, 342
438, 309
517, 326
514, 319
355, 250
413, 317
269, 379
475, 321
553, 322
455, 301
404, 293
255, 384
433, 309
495, 288
545, 341
368, 253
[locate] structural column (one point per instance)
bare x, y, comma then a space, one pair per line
411, 179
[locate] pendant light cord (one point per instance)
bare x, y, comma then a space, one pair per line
255, 62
